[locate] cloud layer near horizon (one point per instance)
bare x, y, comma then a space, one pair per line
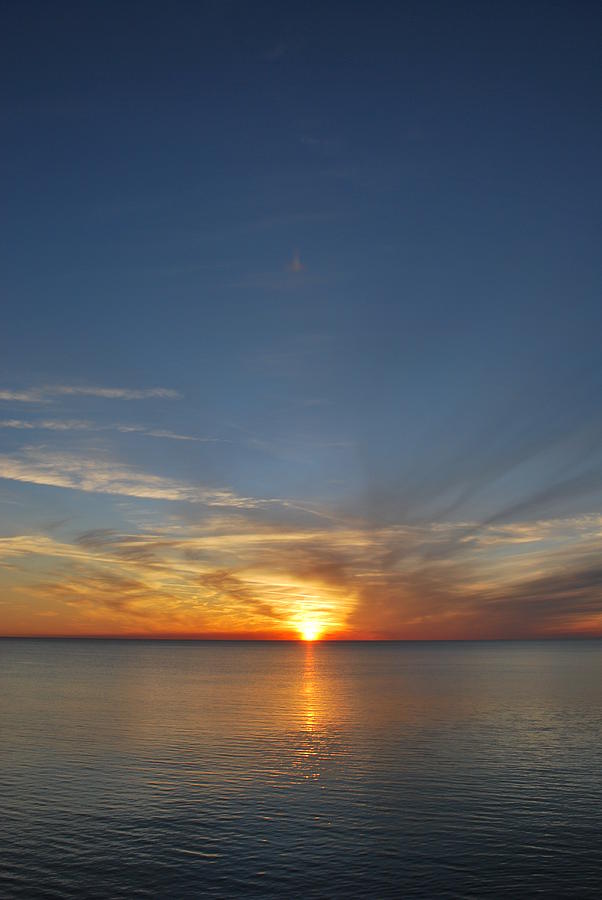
194, 559
240, 575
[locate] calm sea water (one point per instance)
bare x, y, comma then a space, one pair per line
140, 769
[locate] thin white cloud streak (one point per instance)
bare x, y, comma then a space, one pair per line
47, 392
100, 476
114, 393
30, 396
48, 425
85, 425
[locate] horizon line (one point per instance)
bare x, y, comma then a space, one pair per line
293, 640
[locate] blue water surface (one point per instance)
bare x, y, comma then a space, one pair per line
230, 769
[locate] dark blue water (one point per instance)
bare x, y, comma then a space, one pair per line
139, 769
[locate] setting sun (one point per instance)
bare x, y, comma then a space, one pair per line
310, 631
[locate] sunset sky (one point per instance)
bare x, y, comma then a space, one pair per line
301, 320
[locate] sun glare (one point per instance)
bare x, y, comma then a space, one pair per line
310, 631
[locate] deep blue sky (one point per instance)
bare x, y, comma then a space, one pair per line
360, 241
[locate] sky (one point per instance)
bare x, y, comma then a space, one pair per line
300, 319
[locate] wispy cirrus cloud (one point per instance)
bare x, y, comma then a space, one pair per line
46, 393
113, 393
85, 425
38, 465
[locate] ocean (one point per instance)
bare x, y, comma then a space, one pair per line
274, 769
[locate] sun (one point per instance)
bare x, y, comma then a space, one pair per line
310, 631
